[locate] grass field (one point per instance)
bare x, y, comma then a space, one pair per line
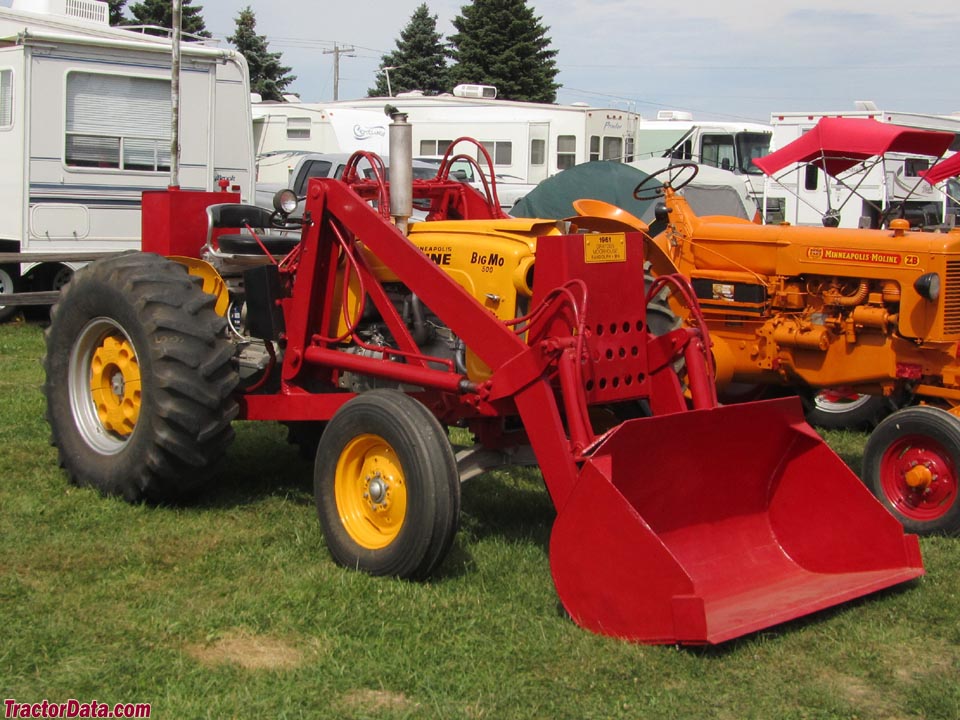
231, 608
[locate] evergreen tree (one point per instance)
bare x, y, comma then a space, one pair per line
419, 61
160, 13
267, 76
502, 43
116, 11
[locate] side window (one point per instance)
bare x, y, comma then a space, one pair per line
684, 151
500, 151
628, 150
298, 128
912, 167
594, 147
811, 177
717, 150
6, 99
538, 152
434, 147
311, 169
117, 122
613, 148
566, 151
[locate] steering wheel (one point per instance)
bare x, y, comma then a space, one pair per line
677, 177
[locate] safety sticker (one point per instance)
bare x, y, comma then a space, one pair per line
609, 248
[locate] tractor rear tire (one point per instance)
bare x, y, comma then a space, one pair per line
912, 464
386, 486
139, 379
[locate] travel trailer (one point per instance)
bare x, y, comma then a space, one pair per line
85, 128
530, 141
803, 194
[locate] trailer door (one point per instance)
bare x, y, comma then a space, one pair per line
537, 165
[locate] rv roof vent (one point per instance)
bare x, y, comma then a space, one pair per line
868, 105
580, 103
674, 115
89, 10
475, 91
410, 93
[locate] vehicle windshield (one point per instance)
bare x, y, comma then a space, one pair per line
752, 145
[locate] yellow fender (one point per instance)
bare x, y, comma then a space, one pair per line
213, 284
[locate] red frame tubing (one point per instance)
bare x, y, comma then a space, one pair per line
333, 207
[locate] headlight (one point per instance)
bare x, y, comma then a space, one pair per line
285, 201
928, 286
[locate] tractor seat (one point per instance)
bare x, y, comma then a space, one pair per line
238, 217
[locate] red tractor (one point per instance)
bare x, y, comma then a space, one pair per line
678, 520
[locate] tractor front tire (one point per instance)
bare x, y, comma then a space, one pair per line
139, 379
833, 411
386, 486
912, 464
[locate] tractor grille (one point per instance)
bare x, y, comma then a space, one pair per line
951, 299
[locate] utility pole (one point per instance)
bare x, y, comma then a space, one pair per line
337, 52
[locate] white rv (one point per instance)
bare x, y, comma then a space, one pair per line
530, 141
799, 195
283, 131
85, 128
721, 144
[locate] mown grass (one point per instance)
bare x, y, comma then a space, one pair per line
231, 608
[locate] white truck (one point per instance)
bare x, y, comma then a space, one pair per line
727, 145
85, 128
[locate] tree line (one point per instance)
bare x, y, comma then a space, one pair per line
497, 42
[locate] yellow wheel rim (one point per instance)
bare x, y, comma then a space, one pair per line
371, 491
115, 384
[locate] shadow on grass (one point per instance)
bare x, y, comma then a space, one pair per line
793, 627
260, 464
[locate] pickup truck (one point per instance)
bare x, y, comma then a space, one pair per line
510, 188
331, 165
324, 165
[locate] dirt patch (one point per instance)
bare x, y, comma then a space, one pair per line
251, 652
868, 700
374, 700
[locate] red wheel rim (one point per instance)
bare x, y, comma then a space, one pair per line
918, 478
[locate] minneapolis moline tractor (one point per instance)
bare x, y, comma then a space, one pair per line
678, 520
871, 312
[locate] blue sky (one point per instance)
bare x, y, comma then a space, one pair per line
738, 59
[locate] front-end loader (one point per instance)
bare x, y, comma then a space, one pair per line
874, 313
678, 520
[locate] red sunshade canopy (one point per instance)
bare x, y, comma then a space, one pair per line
942, 170
837, 144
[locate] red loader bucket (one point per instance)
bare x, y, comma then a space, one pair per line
702, 526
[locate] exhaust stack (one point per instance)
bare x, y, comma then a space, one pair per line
400, 172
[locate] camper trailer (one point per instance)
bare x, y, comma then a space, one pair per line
867, 193
85, 128
526, 140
